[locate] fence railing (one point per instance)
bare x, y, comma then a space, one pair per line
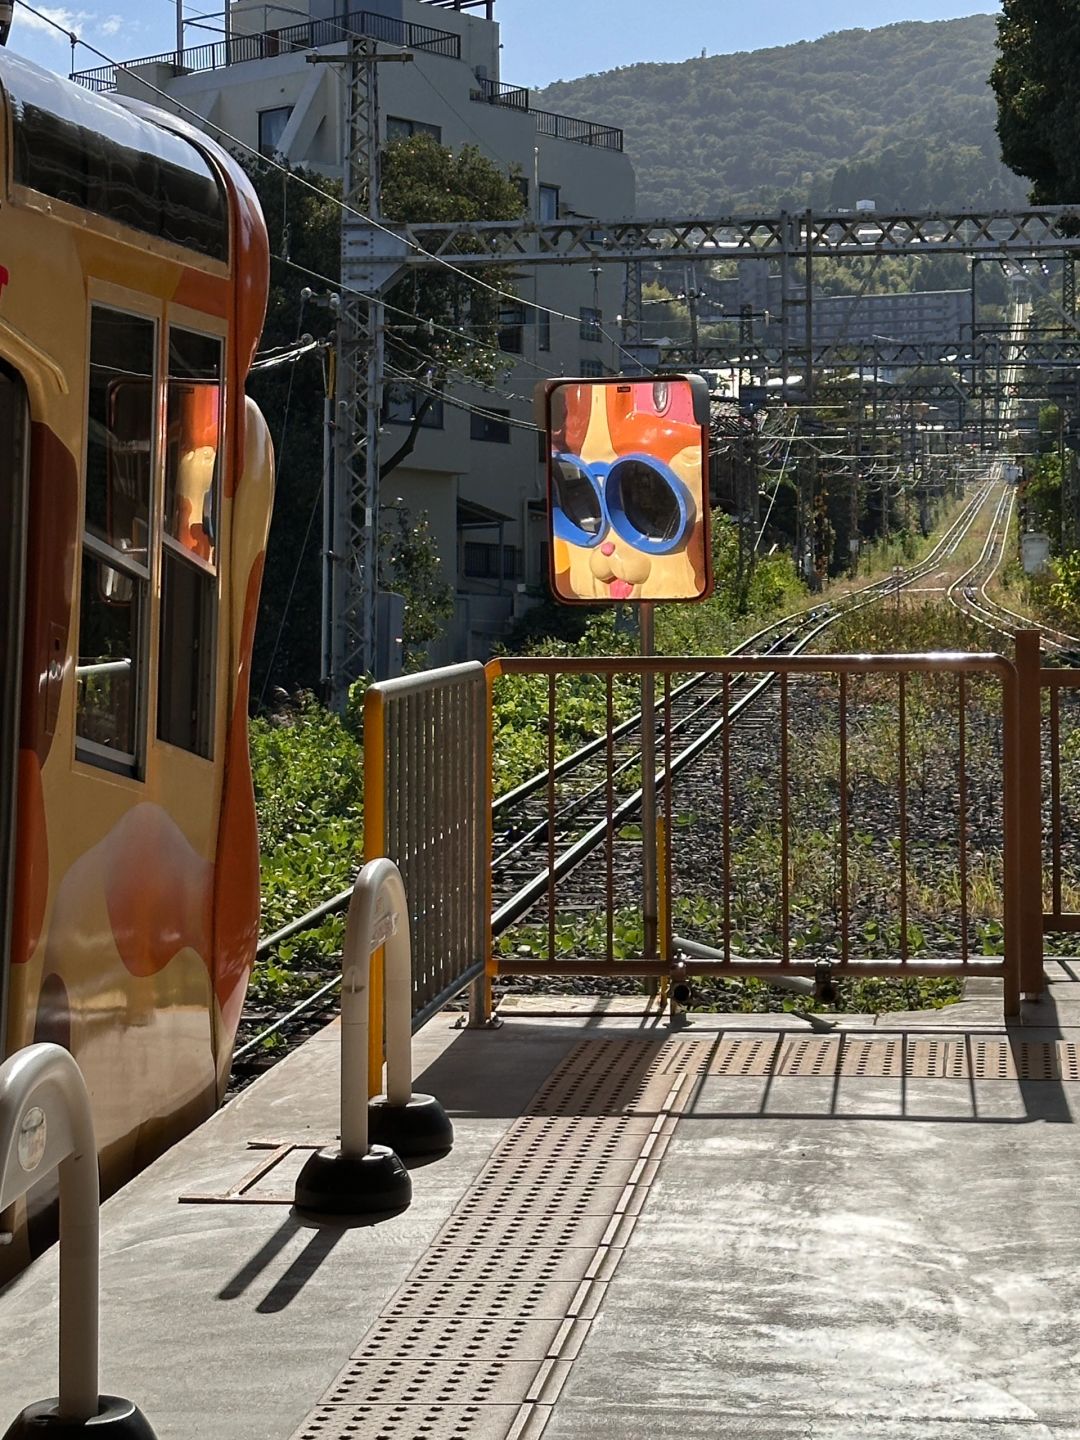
309, 35
584, 132
426, 807
560, 127
1050, 747
495, 92
838, 828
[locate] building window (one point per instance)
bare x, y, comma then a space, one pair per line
189, 588
272, 125
400, 402
523, 186
543, 330
110, 672
592, 369
481, 562
592, 321
548, 204
511, 328
487, 426
398, 128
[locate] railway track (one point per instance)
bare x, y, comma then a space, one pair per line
522, 835
969, 593
533, 844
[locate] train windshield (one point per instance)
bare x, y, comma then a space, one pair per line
78, 147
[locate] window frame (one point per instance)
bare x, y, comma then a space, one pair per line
513, 317
485, 559
210, 571
144, 577
287, 111
545, 192
489, 421
591, 327
434, 419
409, 129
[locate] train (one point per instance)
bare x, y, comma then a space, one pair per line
136, 486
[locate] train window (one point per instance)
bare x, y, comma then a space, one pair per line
85, 149
110, 672
185, 670
190, 542
191, 457
120, 442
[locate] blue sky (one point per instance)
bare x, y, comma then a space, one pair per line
543, 40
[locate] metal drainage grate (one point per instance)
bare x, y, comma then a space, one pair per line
478, 1341
408, 1422
896, 1057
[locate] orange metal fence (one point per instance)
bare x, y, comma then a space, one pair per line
1047, 804
570, 926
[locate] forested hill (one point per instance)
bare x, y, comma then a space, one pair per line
902, 115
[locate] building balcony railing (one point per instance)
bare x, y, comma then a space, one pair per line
266, 45
562, 127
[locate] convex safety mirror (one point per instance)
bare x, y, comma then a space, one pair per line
628, 489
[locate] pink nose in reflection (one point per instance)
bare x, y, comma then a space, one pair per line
607, 548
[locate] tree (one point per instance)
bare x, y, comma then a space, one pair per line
438, 327
1037, 85
437, 324
409, 565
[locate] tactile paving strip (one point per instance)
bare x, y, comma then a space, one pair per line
973, 1057
477, 1342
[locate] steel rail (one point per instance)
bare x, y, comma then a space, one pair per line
988, 611
948, 543
885, 586
336, 903
528, 895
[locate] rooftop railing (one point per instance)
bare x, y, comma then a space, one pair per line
561, 127
266, 45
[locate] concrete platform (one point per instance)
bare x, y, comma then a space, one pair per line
635, 1235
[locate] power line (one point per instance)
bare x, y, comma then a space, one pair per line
412, 315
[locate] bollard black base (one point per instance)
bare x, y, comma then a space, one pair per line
116, 1418
335, 1184
422, 1127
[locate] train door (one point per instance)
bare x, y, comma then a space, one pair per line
14, 484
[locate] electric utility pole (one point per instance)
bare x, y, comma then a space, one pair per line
370, 261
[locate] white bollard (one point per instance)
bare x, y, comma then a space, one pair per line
361, 1177
45, 1124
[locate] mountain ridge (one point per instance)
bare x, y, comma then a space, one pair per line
901, 114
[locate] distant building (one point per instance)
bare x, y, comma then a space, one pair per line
915, 317
912, 317
479, 476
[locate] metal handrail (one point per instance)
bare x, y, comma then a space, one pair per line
46, 1125
559, 127
1016, 965
264, 45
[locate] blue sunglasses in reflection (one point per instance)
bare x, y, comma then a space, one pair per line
637, 496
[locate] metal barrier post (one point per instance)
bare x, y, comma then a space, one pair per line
1028, 761
426, 798
45, 1124
360, 1177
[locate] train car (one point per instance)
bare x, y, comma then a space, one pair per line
135, 492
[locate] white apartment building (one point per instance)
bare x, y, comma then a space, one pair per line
479, 477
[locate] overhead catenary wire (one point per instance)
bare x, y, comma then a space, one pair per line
460, 404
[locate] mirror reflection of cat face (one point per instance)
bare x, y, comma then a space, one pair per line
627, 492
